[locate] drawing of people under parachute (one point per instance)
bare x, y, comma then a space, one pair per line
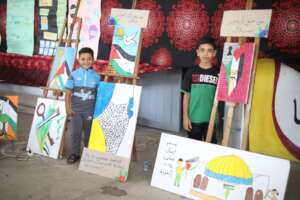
223, 178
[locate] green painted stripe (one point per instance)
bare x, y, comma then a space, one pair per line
11, 122
119, 70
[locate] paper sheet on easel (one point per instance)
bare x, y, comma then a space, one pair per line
129, 17
246, 23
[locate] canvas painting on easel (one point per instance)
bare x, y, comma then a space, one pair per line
235, 72
8, 117
62, 67
115, 118
47, 127
124, 50
204, 171
90, 30
113, 128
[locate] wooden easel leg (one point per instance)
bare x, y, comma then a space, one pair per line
61, 150
212, 120
134, 152
62, 144
227, 129
245, 133
45, 93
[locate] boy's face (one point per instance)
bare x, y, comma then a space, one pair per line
86, 60
206, 53
179, 162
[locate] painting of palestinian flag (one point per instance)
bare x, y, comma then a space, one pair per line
62, 67
235, 72
8, 117
124, 50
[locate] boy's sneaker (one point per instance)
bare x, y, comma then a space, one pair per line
73, 159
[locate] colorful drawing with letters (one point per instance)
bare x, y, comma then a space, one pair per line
235, 72
275, 115
129, 17
8, 117
246, 23
204, 171
62, 67
52, 14
124, 50
20, 26
47, 127
90, 30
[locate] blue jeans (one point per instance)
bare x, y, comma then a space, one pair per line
80, 122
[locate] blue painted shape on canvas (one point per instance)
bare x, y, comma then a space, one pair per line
104, 94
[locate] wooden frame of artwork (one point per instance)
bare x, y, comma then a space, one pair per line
231, 105
100, 158
64, 63
110, 73
65, 56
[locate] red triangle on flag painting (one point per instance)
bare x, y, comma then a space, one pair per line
61, 70
114, 53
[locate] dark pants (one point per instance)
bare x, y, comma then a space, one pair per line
79, 122
199, 131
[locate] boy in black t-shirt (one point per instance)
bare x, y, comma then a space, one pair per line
199, 86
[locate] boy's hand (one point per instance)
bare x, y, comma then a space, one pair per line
70, 112
187, 124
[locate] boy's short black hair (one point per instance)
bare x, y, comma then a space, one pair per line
86, 50
207, 40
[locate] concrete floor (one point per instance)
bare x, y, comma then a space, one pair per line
38, 177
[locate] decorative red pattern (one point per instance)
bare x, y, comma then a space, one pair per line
146, 68
3, 20
186, 24
217, 18
284, 31
34, 71
107, 30
162, 57
156, 22
24, 70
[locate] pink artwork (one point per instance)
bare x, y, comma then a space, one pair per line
235, 72
90, 29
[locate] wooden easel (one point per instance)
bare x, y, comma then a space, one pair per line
67, 42
231, 106
110, 75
